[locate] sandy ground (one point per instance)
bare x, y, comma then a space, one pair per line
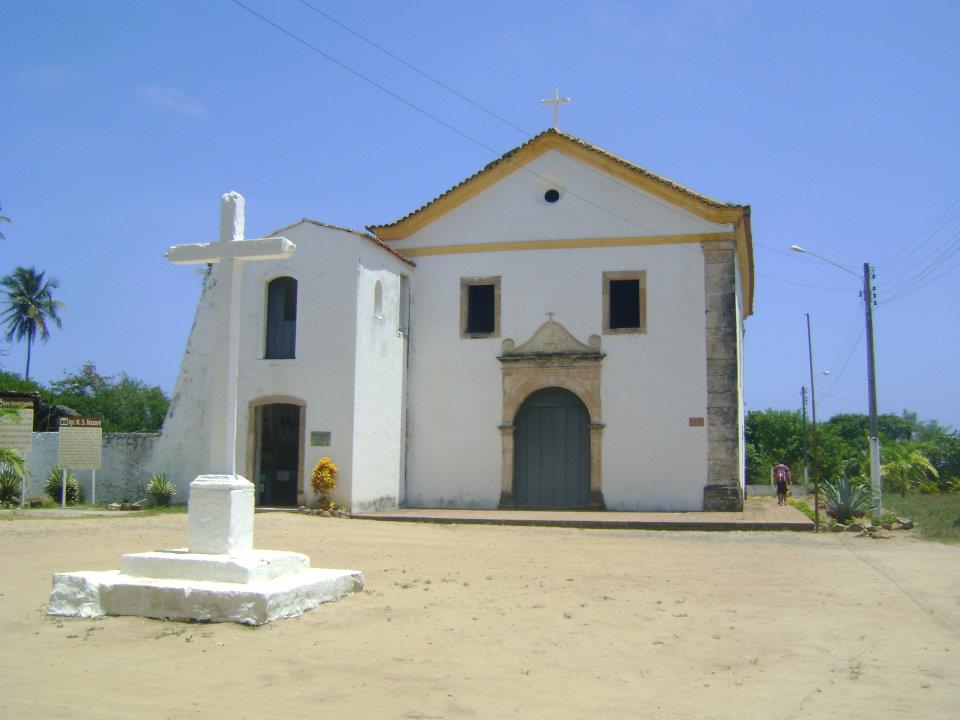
504, 622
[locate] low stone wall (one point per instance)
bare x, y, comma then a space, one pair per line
755, 490
123, 474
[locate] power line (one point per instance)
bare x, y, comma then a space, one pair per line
417, 70
802, 284
923, 285
936, 263
491, 113
922, 233
939, 249
450, 127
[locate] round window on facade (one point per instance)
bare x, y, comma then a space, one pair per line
551, 195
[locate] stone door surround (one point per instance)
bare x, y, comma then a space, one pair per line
552, 357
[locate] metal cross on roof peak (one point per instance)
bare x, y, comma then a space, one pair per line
556, 101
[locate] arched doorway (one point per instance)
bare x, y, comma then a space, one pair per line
278, 454
551, 458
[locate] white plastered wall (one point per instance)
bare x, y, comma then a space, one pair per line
321, 377
651, 383
379, 392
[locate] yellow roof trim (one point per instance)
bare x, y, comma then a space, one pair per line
567, 244
693, 202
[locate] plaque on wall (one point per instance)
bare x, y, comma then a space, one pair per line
320, 438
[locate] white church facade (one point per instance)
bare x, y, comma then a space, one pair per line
561, 330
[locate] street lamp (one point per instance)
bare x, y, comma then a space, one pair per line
875, 481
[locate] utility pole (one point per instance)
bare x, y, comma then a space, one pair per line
806, 466
875, 480
813, 412
868, 302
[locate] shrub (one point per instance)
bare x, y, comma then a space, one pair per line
324, 480
845, 500
53, 487
10, 486
160, 490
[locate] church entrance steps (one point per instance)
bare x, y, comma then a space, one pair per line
755, 516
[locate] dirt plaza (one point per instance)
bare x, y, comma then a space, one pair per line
462, 621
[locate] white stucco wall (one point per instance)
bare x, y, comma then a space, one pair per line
321, 377
124, 472
379, 393
651, 383
514, 209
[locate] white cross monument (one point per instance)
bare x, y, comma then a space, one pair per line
230, 254
556, 101
219, 576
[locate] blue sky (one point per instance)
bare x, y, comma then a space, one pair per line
122, 123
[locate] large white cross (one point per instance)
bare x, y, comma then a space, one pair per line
229, 253
556, 101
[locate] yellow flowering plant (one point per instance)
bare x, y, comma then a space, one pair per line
324, 480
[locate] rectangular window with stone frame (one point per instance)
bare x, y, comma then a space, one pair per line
480, 307
625, 302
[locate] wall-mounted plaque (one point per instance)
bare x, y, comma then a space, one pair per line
320, 438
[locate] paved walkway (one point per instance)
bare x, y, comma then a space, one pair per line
757, 515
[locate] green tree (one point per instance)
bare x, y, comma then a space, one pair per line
11, 382
30, 307
3, 219
773, 436
905, 466
125, 403
942, 446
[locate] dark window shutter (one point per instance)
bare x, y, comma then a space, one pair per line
281, 319
624, 304
480, 309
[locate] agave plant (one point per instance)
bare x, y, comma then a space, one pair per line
161, 490
10, 485
53, 487
845, 500
12, 469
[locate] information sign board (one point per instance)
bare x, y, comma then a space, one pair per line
80, 443
16, 433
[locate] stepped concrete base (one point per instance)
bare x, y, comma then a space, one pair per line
92, 594
181, 564
220, 578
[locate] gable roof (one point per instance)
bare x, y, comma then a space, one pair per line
366, 236
596, 157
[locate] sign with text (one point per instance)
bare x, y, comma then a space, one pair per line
80, 443
320, 438
16, 431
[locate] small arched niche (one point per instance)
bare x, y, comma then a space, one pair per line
378, 300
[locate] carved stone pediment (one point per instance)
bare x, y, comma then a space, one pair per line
551, 338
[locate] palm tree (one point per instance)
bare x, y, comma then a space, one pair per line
30, 307
906, 465
3, 219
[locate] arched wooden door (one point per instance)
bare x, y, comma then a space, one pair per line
278, 455
551, 457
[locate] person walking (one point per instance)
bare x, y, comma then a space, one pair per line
781, 478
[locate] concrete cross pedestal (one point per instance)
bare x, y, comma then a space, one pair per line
220, 577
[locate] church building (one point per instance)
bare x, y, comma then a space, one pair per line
562, 329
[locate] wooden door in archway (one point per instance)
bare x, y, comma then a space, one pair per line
278, 455
551, 459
